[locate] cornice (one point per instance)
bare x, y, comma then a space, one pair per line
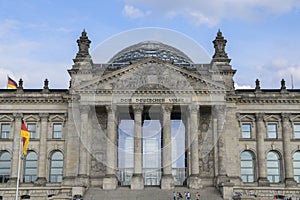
268, 100
32, 100
109, 92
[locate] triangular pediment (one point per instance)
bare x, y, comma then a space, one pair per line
152, 74
31, 118
56, 118
246, 118
6, 118
272, 118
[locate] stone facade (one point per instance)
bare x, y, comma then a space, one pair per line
75, 144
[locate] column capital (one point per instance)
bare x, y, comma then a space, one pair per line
84, 108
193, 108
44, 115
111, 108
259, 116
218, 109
18, 116
285, 117
137, 108
166, 108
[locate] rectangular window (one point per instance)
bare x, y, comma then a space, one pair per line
272, 130
246, 130
32, 129
57, 131
5, 131
297, 131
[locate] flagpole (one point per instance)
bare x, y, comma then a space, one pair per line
19, 169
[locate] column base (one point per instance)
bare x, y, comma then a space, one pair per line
222, 178
110, 182
194, 182
262, 181
167, 182
83, 180
70, 181
290, 182
137, 182
40, 181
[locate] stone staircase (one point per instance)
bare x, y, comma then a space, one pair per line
149, 193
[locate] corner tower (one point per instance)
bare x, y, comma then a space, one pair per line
220, 65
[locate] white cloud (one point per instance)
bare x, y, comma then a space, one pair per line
133, 13
237, 86
211, 12
199, 19
280, 68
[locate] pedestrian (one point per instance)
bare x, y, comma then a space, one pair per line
188, 196
174, 195
197, 196
185, 194
180, 195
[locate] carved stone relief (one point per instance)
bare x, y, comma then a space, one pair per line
154, 74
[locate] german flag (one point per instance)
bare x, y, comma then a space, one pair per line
11, 84
26, 135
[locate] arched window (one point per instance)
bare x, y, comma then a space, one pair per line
296, 164
30, 167
273, 167
5, 160
56, 166
247, 167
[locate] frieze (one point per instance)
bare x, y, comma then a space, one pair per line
152, 100
155, 76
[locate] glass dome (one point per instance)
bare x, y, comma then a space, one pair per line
150, 49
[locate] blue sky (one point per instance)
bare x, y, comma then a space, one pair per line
38, 38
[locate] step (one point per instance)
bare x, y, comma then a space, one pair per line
149, 193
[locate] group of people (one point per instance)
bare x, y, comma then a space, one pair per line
187, 196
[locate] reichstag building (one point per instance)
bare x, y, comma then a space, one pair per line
150, 116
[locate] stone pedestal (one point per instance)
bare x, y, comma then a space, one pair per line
110, 183
290, 182
167, 182
194, 182
263, 182
226, 190
137, 182
69, 181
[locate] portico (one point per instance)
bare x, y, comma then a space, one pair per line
153, 121
150, 141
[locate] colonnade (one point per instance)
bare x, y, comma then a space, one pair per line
191, 120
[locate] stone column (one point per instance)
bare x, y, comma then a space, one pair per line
194, 181
186, 121
42, 162
288, 164
16, 148
167, 181
261, 156
110, 181
72, 145
137, 182
83, 154
220, 115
